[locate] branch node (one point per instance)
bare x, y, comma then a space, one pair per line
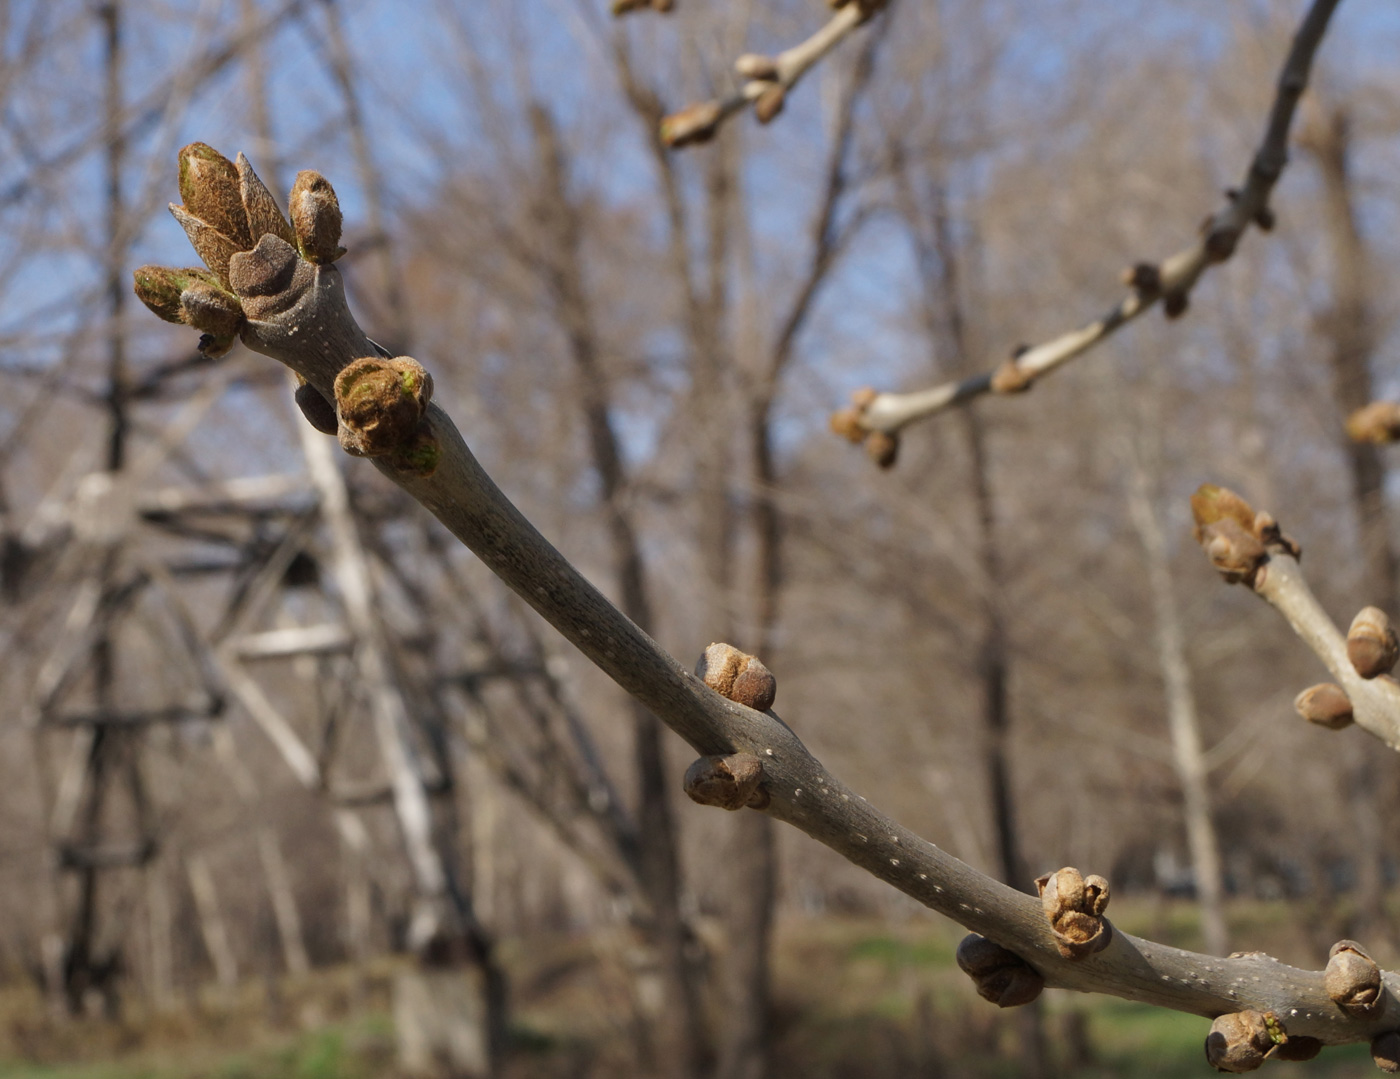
1145, 278
1000, 975
1075, 905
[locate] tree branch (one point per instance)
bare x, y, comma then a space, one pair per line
294, 310
1170, 282
767, 79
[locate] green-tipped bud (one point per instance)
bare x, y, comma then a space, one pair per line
213, 246
316, 217
261, 208
211, 309
1212, 503
209, 184
160, 287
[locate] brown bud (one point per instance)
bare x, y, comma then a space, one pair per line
754, 65
211, 309
213, 246
1237, 554
1011, 378
769, 103
1265, 219
738, 676
864, 397
846, 423
1378, 423
209, 186
1174, 304
1385, 1051
1372, 645
260, 208
316, 218
319, 412
730, 782
1326, 705
159, 288
381, 403
1144, 277
1000, 976
1353, 980
1212, 503
882, 447
1075, 905
693, 124
1240, 1041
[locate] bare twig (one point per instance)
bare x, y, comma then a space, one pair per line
294, 311
767, 79
1171, 281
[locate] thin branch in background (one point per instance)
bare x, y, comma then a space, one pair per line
767, 79
876, 418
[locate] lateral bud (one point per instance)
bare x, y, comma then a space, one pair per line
738, 676
770, 103
999, 974
1242, 1041
264, 215
316, 217
319, 412
1372, 645
882, 447
381, 404
1074, 905
1353, 980
1325, 704
731, 782
693, 124
1377, 423
160, 288
1385, 1051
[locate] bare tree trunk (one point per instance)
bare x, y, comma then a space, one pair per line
1182, 719
1350, 328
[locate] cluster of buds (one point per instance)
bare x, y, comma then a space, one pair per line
1074, 904
849, 423
1145, 278
1000, 975
1237, 540
732, 782
1373, 649
1242, 1041
764, 85
226, 211
1377, 423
